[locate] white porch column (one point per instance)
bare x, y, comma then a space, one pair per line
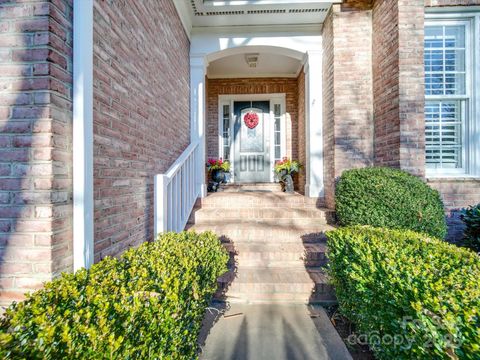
314, 124
83, 134
197, 114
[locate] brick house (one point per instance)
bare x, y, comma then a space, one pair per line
99, 96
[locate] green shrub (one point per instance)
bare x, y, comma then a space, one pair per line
471, 218
421, 292
148, 304
391, 198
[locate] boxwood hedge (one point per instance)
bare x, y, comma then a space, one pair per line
471, 218
147, 304
411, 296
386, 197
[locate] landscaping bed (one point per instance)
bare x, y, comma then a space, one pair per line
410, 296
147, 304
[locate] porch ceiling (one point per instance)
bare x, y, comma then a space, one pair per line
211, 13
267, 65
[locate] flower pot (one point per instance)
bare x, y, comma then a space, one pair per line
288, 181
218, 176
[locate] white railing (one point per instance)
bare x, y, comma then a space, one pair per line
177, 190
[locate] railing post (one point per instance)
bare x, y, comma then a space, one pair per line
160, 205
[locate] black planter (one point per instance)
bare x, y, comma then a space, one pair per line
218, 176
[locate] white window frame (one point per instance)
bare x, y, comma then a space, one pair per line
279, 98
471, 116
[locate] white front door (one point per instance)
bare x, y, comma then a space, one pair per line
251, 138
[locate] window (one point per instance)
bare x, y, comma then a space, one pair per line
447, 96
277, 114
226, 131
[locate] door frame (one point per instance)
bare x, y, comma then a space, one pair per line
276, 98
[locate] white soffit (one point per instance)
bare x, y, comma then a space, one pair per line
211, 13
267, 65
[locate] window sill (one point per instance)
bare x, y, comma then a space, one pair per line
463, 177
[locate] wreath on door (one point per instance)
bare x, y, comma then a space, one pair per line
251, 120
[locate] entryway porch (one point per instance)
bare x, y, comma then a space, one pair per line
270, 302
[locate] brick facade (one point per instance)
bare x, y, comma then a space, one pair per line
398, 84
328, 111
373, 100
35, 144
456, 194
141, 114
347, 87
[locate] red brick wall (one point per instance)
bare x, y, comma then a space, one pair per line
456, 194
328, 111
216, 87
348, 113
35, 144
398, 84
141, 114
411, 85
386, 83
302, 157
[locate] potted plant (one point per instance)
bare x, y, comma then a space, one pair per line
285, 169
218, 169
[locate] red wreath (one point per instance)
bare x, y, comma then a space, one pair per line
251, 120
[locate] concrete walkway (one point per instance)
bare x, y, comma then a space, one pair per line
270, 331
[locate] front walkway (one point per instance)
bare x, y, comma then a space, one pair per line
271, 331
277, 246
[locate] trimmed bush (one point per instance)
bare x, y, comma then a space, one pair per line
391, 198
148, 304
414, 297
471, 219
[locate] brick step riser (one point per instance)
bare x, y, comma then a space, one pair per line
281, 300
288, 297
276, 263
255, 214
303, 235
254, 203
285, 223
273, 288
278, 259
257, 203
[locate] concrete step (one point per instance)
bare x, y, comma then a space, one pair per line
264, 232
226, 200
263, 254
291, 284
254, 214
286, 223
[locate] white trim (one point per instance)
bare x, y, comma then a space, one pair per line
197, 115
450, 11
305, 29
274, 98
185, 14
83, 247
470, 138
314, 186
